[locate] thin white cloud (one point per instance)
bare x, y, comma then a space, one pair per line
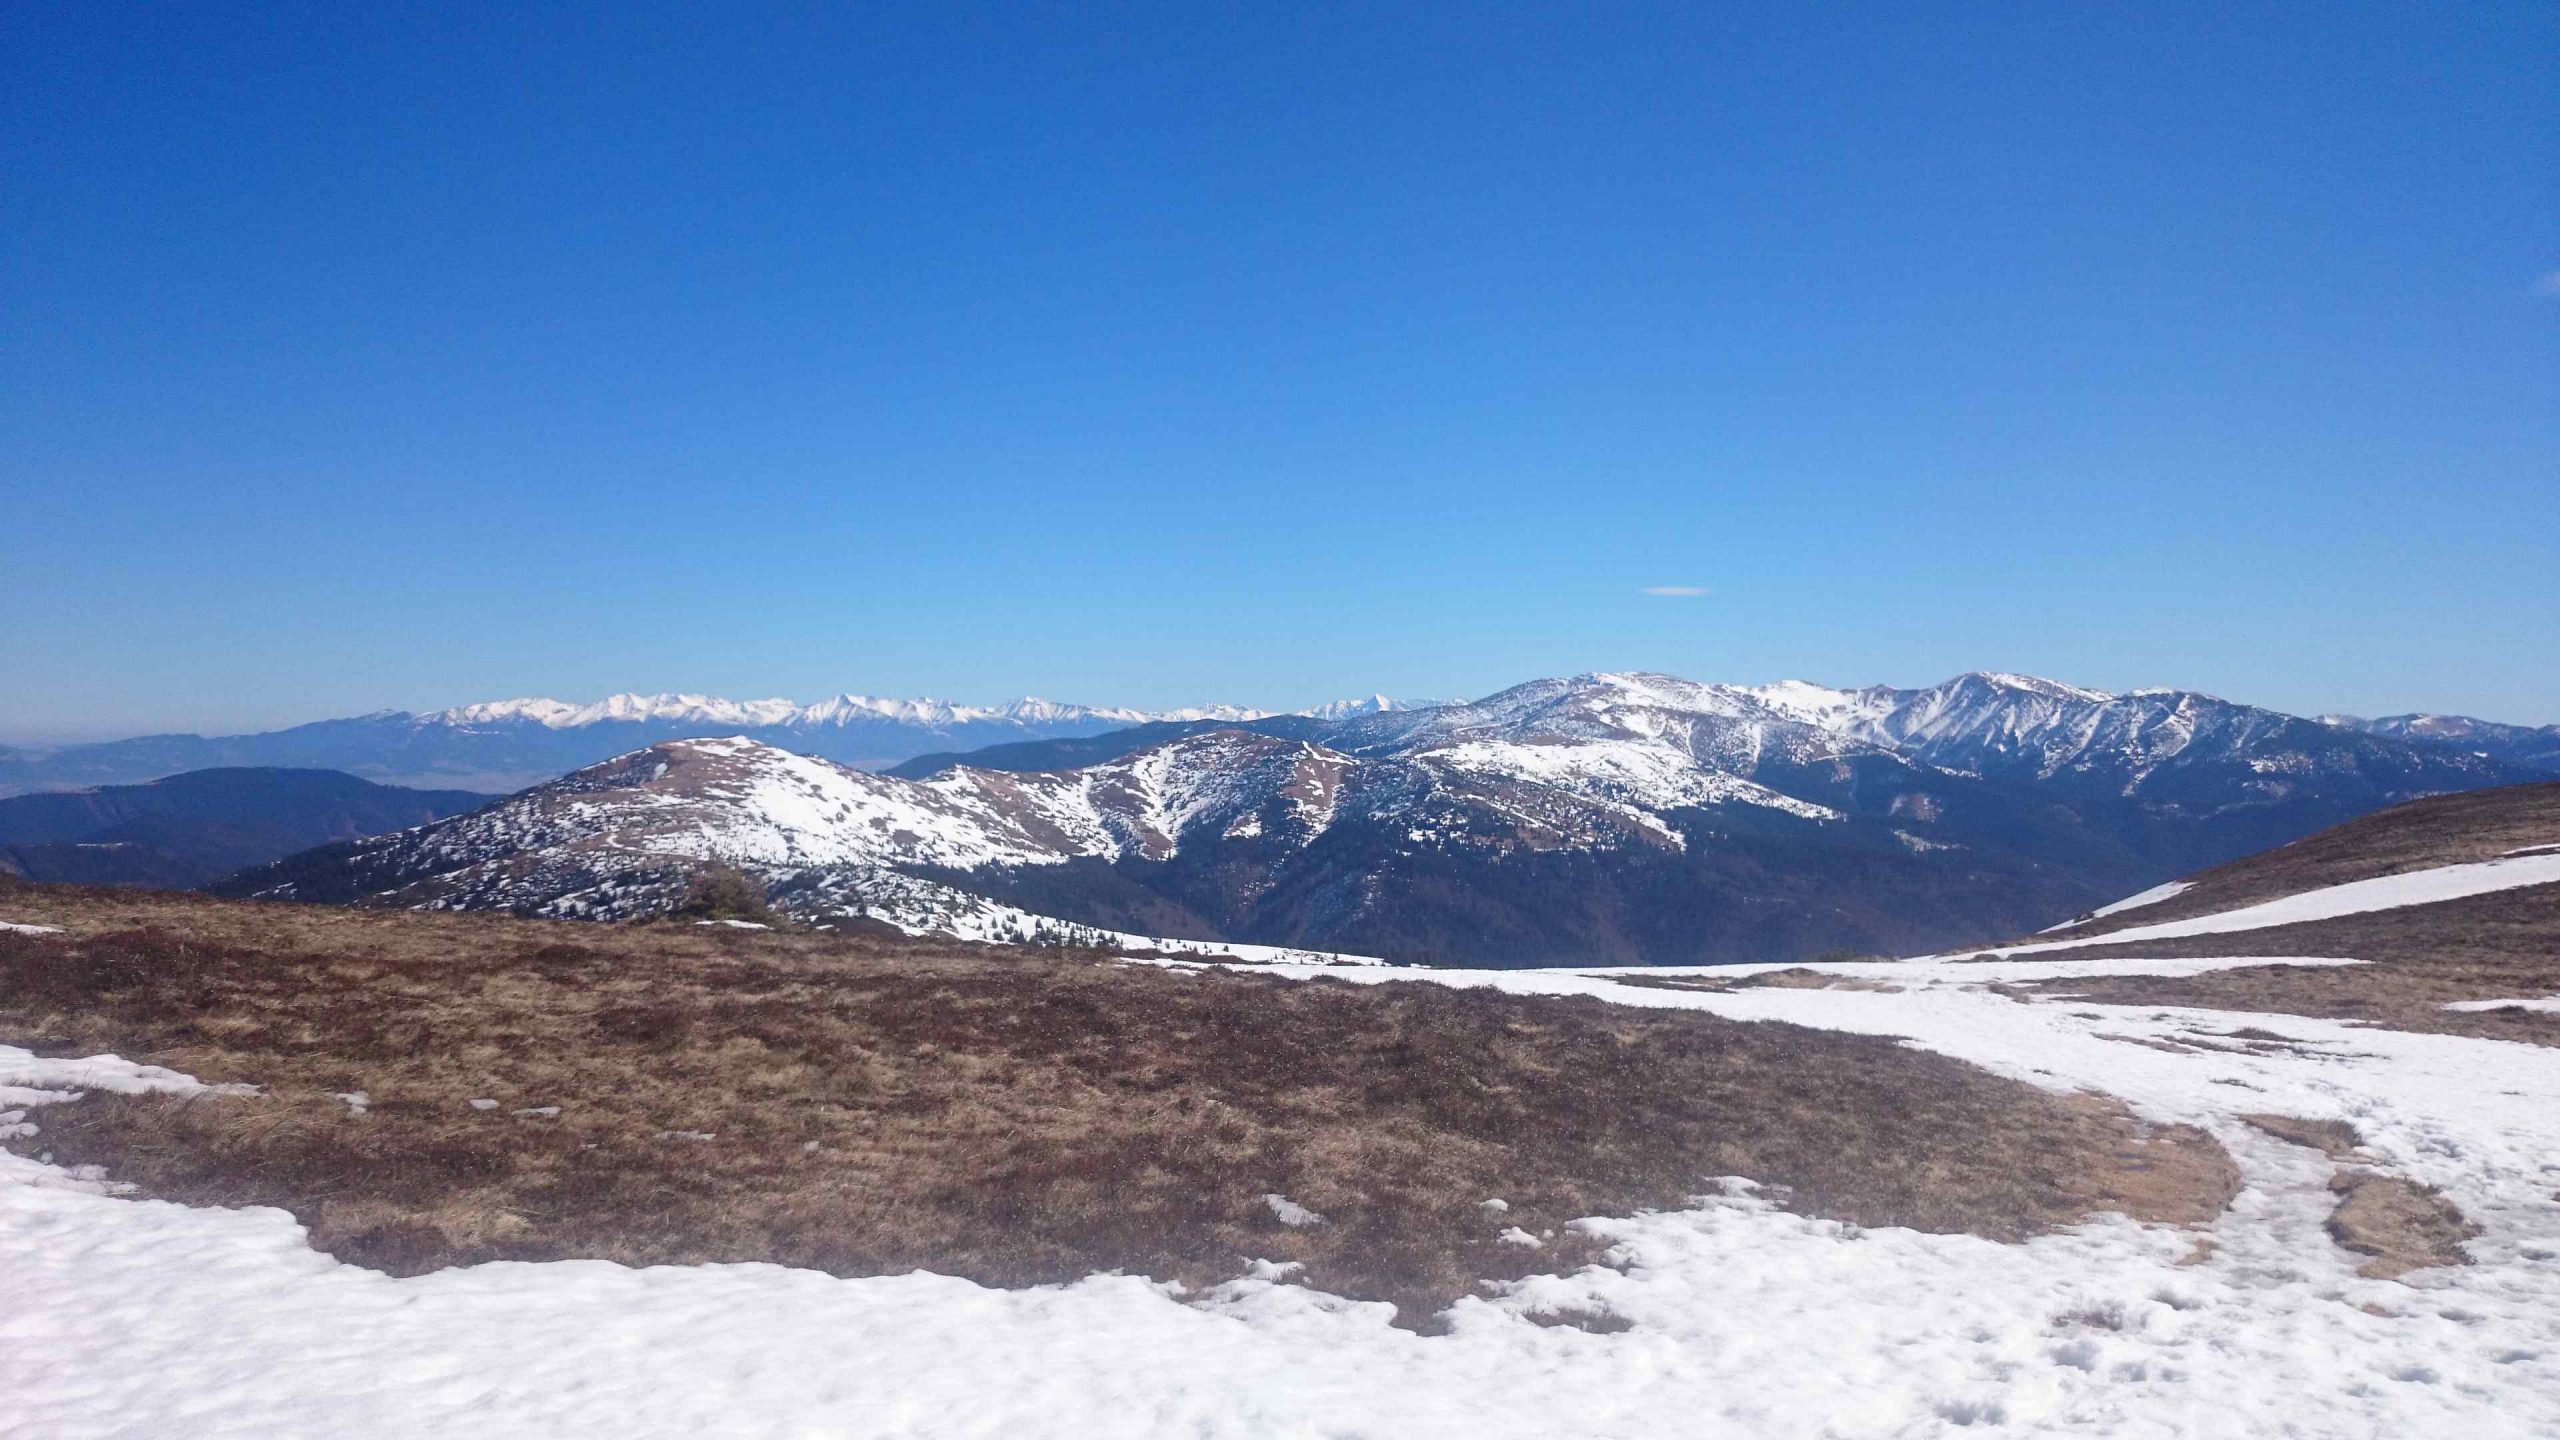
1676, 592
2548, 285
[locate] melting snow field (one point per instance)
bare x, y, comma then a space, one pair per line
125, 1317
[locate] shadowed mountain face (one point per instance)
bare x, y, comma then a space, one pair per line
188, 829
1598, 819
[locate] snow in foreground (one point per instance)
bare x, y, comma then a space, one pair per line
125, 1317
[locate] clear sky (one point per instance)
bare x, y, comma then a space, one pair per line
355, 358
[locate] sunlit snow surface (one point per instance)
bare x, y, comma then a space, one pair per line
124, 1317
2548, 1004
2134, 901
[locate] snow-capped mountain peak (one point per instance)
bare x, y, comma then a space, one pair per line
562, 715
1370, 705
837, 710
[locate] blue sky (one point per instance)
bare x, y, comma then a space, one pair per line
354, 358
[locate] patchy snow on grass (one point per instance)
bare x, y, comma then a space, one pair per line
2383, 892
921, 907
28, 1080
21, 928
131, 1317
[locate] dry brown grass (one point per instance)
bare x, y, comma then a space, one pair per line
2334, 1138
2401, 1224
2503, 945
874, 1106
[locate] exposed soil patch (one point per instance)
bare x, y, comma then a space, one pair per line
2403, 1225
865, 1106
2334, 1138
2484, 947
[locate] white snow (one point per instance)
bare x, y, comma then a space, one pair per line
2140, 898
2548, 1004
25, 929
28, 1080
837, 711
142, 1318
1291, 1213
2384, 892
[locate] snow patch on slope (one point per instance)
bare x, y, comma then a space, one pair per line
2135, 901
2385, 892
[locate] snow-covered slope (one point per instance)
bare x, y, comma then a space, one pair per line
1232, 814
2015, 726
622, 838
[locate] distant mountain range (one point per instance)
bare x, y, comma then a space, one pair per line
1596, 818
182, 831
501, 746
505, 745
2532, 745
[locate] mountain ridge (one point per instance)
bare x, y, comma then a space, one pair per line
184, 830
1612, 817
